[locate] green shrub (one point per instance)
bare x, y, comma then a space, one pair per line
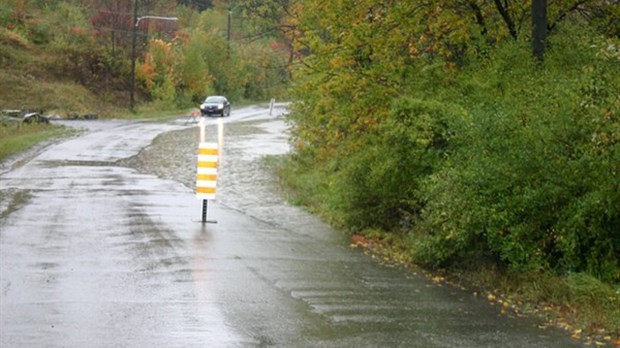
38, 32
533, 181
380, 183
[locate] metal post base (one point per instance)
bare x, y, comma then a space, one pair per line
204, 213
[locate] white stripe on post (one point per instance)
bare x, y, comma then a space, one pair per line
206, 173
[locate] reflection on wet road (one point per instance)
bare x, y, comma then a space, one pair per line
100, 246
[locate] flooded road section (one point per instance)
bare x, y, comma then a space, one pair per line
100, 246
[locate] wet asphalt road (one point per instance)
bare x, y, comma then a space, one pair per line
100, 246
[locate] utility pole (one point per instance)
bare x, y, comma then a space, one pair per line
228, 31
539, 28
134, 29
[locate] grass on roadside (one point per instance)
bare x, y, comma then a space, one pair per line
18, 137
578, 303
588, 309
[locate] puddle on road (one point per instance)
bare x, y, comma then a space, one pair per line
171, 156
243, 182
53, 164
12, 199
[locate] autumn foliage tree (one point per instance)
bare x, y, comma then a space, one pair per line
204, 61
432, 119
179, 62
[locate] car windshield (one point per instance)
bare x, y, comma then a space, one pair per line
215, 100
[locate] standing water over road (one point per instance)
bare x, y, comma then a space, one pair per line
107, 252
296, 263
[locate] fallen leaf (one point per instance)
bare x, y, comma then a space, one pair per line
359, 240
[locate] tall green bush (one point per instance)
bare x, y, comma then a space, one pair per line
195, 81
488, 154
533, 183
380, 183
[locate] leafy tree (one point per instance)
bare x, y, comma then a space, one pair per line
266, 17
193, 73
270, 19
514, 179
114, 21
157, 72
528, 184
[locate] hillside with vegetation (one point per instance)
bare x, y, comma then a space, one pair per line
76, 56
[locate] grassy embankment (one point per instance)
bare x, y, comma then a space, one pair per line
27, 84
582, 305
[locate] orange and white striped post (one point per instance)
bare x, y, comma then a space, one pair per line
206, 172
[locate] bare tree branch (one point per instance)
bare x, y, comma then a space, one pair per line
503, 11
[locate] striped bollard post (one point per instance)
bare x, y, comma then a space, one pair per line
206, 176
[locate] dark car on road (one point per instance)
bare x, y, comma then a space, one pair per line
215, 105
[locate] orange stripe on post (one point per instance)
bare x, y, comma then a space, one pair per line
207, 164
205, 190
207, 171
203, 151
206, 177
